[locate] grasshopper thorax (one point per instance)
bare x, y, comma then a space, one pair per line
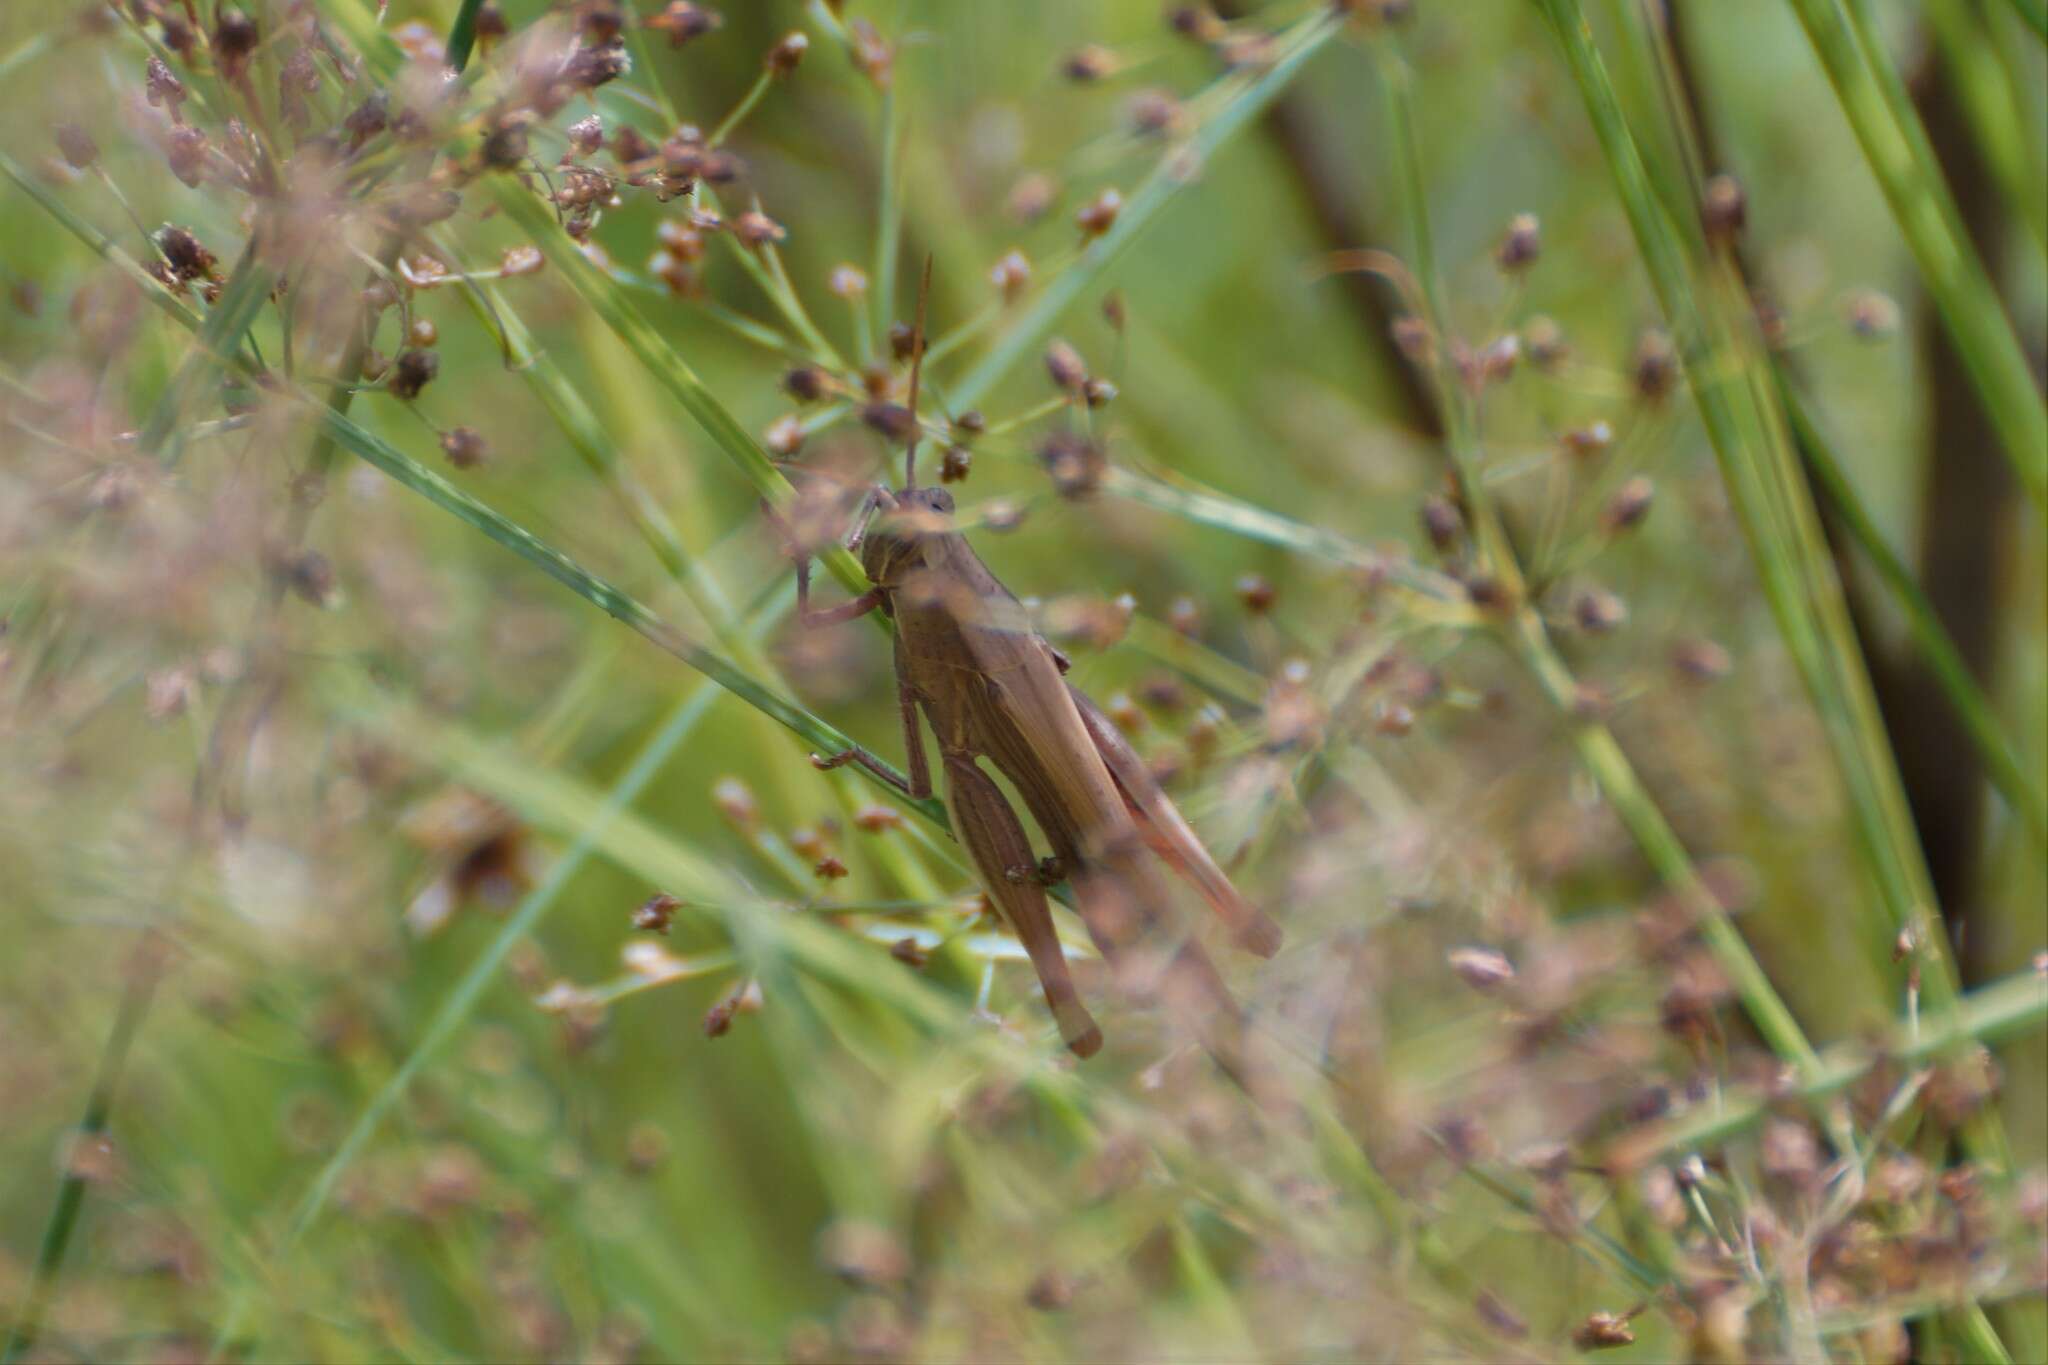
906, 521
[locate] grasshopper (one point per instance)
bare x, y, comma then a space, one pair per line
993, 689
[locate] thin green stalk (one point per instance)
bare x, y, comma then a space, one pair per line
740, 111
2001, 762
462, 34
2005, 1009
1247, 101
889, 215
1894, 143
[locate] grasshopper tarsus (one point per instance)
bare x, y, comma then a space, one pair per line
825, 763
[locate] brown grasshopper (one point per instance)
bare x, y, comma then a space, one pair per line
992, 688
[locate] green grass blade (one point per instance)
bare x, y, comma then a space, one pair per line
1894, 143
2001, 761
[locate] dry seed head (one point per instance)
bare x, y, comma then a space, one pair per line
464, 447
1155, 113
1872, 315
656, 913
1520, 245
848, 281
589, 67
1497, 361
162, 89
829, 868
586, 135
490, 25
907, 951
1545, 343
875, 819
414, 371
1441, 521
184, 253
600, 21
1584, 442
1099, 392
805, 383
666, 266
892, 420
787, 54
1602, 1331
1701, 660
683, 21
76, 146
1256, 593
168, 692
1184, 614
1655, 366
422, 332
970, 424
784, 436
1098, 215
955, 464
1629, 505
904, 342
1050, 1291
1598, 611
735, 801
1413, 339
1031, 197
1481, 968
1064, 364
1198, 22
1089, 64
680, 239
1074, 462
1724, 209
375, 363
234, 41
757, 229
1011, 275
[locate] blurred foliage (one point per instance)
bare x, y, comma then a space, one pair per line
345, 812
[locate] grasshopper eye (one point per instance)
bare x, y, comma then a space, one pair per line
940, 500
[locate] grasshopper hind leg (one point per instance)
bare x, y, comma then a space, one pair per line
996, 841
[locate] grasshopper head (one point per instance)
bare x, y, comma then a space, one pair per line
908, 520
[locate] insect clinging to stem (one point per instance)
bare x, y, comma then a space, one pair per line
968, 657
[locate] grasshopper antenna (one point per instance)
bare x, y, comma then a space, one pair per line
924, 293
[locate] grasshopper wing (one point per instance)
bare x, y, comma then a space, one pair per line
1162, 826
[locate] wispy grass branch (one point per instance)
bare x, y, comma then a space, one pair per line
1248, 96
